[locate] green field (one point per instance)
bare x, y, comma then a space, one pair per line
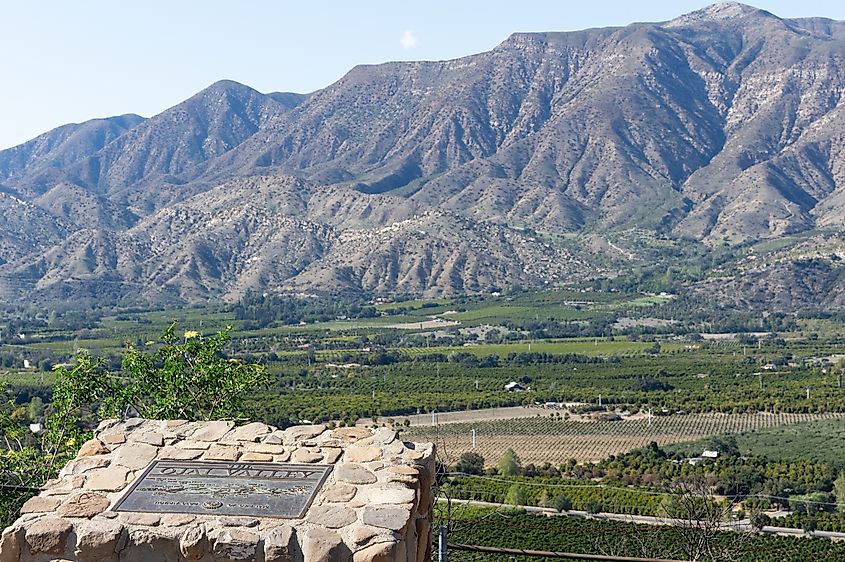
818, 441
510, 529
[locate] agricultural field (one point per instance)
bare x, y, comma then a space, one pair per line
818, 441
555, 440
512, 529
331, 367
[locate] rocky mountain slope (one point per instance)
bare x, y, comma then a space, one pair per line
724, 125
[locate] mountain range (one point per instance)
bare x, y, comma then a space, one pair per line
553, 158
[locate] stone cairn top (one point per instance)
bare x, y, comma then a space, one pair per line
376, 504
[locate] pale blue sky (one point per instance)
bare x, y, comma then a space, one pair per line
68, 61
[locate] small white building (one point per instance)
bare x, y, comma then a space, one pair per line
707, 454
514, 386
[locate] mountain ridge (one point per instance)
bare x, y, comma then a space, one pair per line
718, 126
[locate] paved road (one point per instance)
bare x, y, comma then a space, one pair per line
743, 525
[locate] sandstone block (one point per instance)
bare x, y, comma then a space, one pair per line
305, 456
256, 457
132, 423
301, 432
351, 434
404, 469
239, 521
211, 431
194, 445
116, 438
222, 453
354, 474
48, 535
251, 432
106, 424
97, 540
362, 454
193, 544
392, 495
364, 534
265, 448
149, 437
423, 546
176, 519
235, 545
386, 516
147, 544
382, 436
84, 464
331, 516
84, 504
280, 545
396, 448
379, 552
107, 479
10, 544
135, 456
40, 504
339, 493
322, 545
141, 519
92, 447
172, 453
275, 438
331, 454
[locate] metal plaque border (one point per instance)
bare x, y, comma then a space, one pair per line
327, 470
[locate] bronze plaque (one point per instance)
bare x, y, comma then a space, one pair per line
226, 488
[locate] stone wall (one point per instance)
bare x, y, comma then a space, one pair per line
376, 504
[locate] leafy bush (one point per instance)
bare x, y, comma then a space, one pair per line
470, 463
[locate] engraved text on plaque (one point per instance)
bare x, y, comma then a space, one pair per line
226, 488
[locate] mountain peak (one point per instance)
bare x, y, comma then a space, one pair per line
222, 86
720, 12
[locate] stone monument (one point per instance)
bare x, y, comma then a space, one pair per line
162, 491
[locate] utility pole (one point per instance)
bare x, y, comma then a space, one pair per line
599, 400
761, 380
808, 393
649, 417
473, 438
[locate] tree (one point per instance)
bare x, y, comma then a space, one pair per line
593, 506
470, 463
839, 491
760, 520
698, 519
561, 503
517, 495
509, 464
179, 378
189, 378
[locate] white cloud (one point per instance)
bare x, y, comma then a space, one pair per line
408, 39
